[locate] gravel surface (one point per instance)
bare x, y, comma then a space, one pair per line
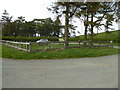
98, 72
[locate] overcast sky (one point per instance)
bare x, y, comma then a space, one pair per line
32, 9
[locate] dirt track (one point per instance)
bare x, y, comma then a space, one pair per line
99, 72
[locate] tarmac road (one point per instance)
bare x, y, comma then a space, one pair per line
98, 72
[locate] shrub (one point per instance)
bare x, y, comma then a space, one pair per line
28, 39
76, 38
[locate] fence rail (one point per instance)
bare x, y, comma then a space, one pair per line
18, 45
56, 45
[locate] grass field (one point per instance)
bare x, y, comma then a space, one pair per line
36, 46
8, 52
112, 35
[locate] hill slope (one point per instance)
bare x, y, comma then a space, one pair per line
112, 35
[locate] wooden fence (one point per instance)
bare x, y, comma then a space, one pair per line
103, 43
56, 45
18, 45
31, 46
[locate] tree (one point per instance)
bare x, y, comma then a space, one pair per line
44, 26
88, 11
117, 13
118, 9
66, 9
109, 18
5, 17
98, 11
23, 27
7, 24
57, 27
29, 28
82, 11
19, 26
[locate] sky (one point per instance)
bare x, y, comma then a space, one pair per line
32, 9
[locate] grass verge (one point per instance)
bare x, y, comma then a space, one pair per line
12, 53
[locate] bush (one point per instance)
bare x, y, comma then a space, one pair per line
28, 39
114, 36
75, 39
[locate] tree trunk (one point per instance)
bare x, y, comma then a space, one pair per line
91, 36
106, 35
66, 26
85, 34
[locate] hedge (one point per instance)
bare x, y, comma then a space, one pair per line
75, 39
114, 36
28, 39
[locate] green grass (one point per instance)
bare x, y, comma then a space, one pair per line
43, 46
36, 46
8, 52
112, 35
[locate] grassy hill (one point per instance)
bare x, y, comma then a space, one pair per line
112, 35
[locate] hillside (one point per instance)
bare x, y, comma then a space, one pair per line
112, 35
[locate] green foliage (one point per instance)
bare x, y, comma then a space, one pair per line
28, 39
113, 35
76, 39
21, 27
7, 22
99, 10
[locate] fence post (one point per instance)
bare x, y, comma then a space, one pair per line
49, 45
26, 45
7, 42
79, 43
30, 46
107, 43
17, 44
20, 44
10, 43
99, 43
